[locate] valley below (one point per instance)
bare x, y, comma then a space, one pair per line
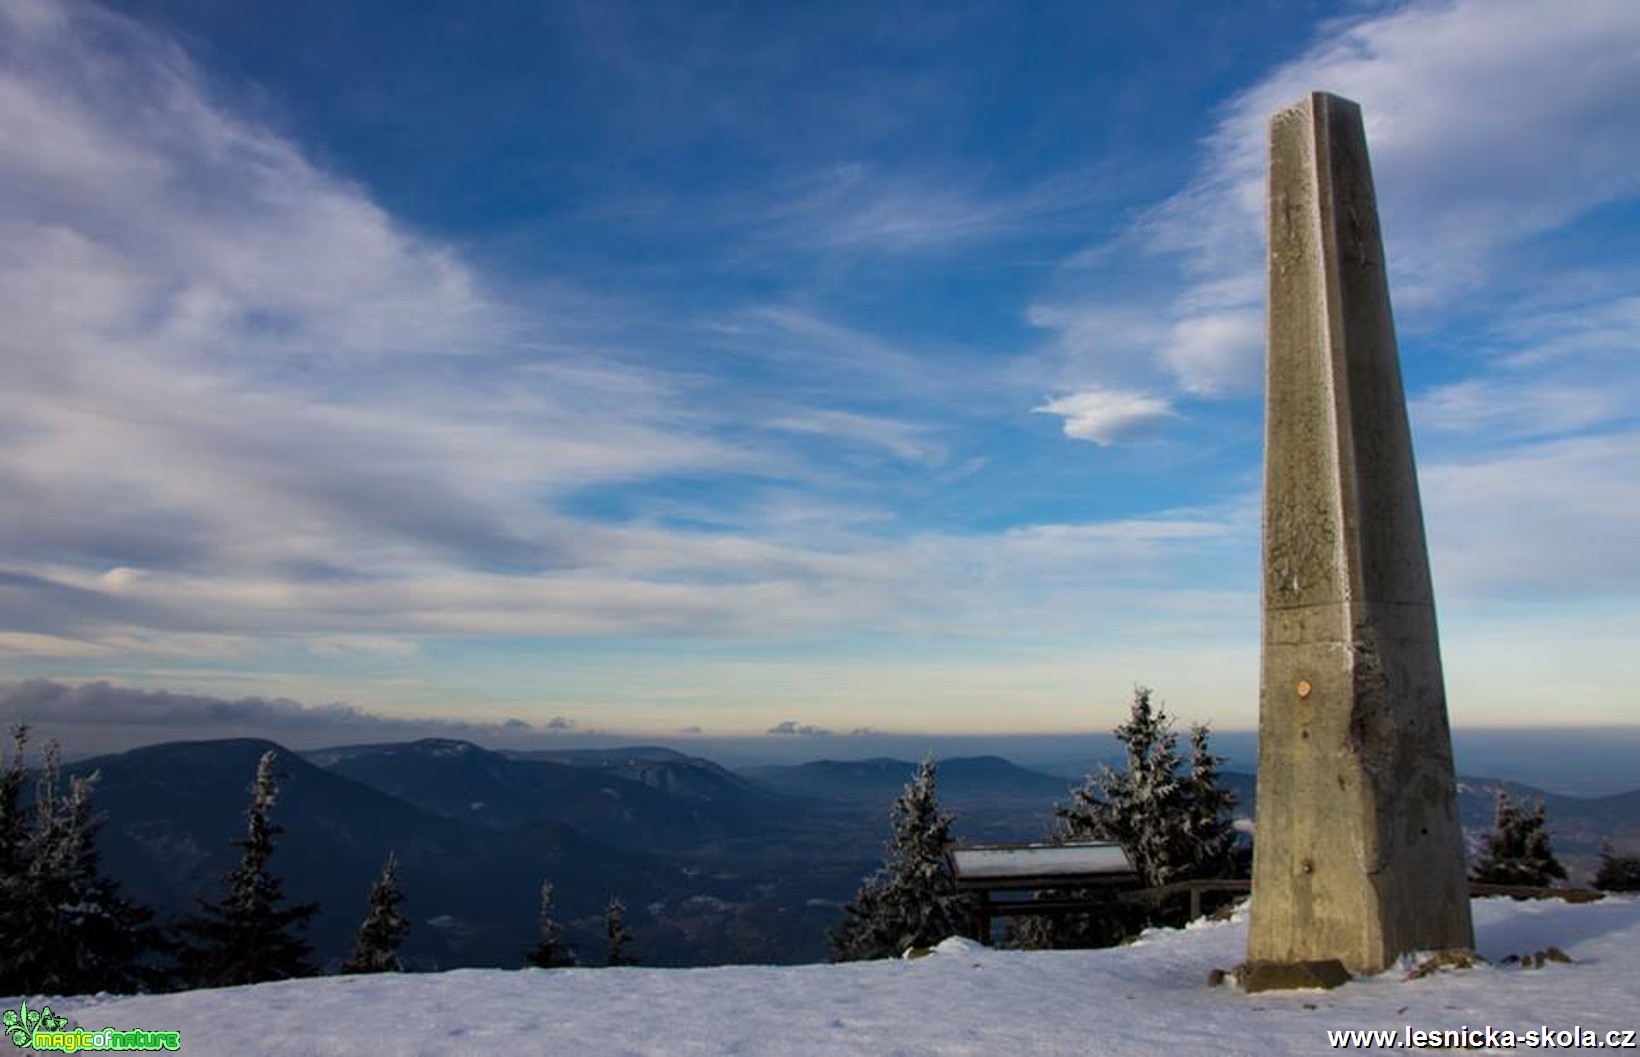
715, 866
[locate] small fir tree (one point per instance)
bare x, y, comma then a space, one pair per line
1517, 850
550, 951
1617, 873
616, 934
376, 944
248, 936
73, 932
1208, 821
912, 901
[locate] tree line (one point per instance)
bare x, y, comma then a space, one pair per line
1172, 818
67, 929
1517, 852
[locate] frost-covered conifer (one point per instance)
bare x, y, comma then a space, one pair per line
13, 862
1617, 873
248, 935
1172, 827
912, 901
376, 944
65, 928
1517, 850
1208, 822
13, 829
550, 951
617, 934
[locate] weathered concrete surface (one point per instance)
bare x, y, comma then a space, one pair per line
1358, 854
1254, 977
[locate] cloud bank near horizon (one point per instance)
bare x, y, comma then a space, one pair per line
101, 708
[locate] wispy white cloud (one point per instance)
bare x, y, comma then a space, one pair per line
860, 207
1098, 339
643, 582
362, 646
1106, 416
1210, 353
199, 229
1510, 409
1555, 517
227, 357
30, 644
904, 440
1597, 331
826, 359
1490, 123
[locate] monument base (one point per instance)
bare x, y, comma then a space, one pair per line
1325, 975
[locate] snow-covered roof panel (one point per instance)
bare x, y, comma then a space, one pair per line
1040, 860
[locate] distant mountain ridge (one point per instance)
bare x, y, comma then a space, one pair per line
959, 779
715, 865
678, 774
1578, 825
599, 757
638, 800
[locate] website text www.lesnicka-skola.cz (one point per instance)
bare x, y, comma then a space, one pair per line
1466, 1037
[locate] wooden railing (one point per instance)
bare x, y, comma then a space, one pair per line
984, 909
1195, 888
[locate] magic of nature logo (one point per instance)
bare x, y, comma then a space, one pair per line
41, 1029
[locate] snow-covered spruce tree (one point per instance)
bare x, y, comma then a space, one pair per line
550, 950
616, 934
1517, 850
1173, 826
1208, 819
13, 864
1617, 873
912, 901
74, 933
13, 775
248, 936
376, 944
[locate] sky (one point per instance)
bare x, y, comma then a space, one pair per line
1143, 998
774, 370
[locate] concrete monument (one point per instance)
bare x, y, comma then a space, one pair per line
1358, 856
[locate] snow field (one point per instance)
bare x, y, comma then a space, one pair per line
963, 999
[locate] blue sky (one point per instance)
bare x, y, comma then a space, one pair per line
736, 368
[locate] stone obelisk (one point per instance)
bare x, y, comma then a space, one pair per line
1358, 855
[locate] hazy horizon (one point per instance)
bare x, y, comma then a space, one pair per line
97, 719
1583, 762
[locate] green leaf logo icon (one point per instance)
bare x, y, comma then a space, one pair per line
15, 1025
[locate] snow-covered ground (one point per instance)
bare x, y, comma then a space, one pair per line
1148, 998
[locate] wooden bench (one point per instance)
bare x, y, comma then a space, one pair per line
982, 871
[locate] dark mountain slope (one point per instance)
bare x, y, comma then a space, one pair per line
963, 779
641, 803
172, 810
